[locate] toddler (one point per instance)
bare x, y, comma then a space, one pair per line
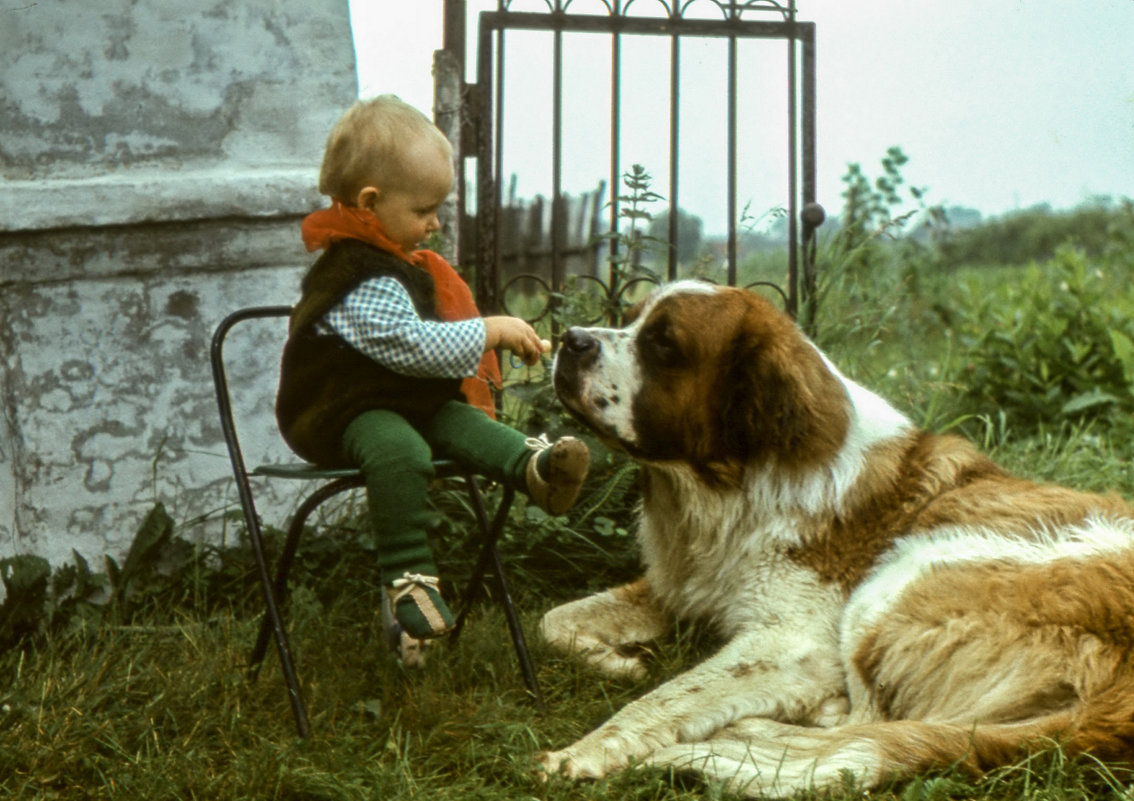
388, 363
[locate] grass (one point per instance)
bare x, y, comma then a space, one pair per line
153, 702
163, 711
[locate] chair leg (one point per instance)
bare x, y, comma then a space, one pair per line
488, 533
272, 622
279, 586
489, 556
476, 580
518, 640
283, 567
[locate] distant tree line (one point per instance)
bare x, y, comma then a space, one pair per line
882, 209
1034, 234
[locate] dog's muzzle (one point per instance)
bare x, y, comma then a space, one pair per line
579, 344
578, 352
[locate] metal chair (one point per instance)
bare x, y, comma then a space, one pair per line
332, 483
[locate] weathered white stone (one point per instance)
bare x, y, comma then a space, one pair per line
157, 159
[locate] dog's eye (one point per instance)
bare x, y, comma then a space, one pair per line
659, 346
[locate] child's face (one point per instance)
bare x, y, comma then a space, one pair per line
409, 215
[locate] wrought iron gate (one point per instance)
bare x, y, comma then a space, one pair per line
483, 103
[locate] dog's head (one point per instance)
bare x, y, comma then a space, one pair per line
713, 377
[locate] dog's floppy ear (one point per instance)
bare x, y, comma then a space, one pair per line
780, 402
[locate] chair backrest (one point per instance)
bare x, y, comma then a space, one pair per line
224, 399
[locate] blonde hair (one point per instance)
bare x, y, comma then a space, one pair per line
371, 144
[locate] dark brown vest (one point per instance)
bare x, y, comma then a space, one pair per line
324, 382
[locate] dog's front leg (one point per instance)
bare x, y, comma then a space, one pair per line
770, 673
608, 629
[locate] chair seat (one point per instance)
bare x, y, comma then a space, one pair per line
444, 468
304, 471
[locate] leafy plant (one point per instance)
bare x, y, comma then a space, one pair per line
628, 249
867, 205
868, 218
26, 583
634, 206
1051, 346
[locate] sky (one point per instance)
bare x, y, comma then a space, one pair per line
999, 104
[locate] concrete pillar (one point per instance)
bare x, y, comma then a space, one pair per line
157, 159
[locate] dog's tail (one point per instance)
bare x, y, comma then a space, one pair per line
761, 758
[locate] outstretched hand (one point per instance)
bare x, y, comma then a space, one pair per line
512, 333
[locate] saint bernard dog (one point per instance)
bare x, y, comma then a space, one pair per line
890, 600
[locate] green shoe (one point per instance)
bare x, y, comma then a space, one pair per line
418, 606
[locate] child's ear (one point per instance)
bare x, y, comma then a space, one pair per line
367, 197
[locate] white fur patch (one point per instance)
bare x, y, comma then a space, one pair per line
913, 557
606, 390
873, 421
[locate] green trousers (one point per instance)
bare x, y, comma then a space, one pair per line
396, 459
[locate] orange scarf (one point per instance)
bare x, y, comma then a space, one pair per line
454, 299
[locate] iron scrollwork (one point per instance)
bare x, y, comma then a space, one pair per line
673, 9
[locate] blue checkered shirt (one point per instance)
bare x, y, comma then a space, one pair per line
378, 318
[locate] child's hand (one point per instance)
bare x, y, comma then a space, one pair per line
512, 333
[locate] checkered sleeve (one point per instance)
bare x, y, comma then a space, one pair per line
378, 318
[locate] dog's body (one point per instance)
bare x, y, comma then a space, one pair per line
890, 600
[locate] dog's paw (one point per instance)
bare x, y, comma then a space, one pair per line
611, 631
623, 661
569, 764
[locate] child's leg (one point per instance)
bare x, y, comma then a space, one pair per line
467, 435
398, 467
550, 474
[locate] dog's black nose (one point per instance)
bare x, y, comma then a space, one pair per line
578, 342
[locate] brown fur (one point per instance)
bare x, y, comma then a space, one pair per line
901, 480
1030, 652
927, 481
733, 351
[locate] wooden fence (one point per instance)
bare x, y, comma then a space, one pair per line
524, 241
